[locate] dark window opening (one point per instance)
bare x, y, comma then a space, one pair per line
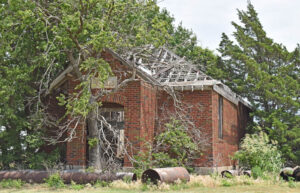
114, 115
220, 117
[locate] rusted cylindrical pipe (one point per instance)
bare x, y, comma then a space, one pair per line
296, 173
31, 176
247, 173
123, 175
229, 173
80, 177
167, 175
286, 173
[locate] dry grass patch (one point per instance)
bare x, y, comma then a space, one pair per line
205, 184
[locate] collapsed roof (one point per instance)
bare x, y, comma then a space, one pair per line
164, 68
168, 69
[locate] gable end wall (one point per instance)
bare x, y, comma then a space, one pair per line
234, 124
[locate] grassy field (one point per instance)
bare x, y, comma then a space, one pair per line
205, 184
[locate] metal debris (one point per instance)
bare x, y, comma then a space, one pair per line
166, 175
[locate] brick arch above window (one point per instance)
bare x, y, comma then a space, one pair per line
114, 98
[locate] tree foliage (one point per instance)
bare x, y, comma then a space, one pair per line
267, 75
40, 38
184, 43
258, 151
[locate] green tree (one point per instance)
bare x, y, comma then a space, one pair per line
40, 38
184, 43
22, 60
267, 74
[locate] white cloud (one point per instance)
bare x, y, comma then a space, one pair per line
208, 19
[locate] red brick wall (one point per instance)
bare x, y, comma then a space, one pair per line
148, 111
140, 107
234, 124
244, 119
76, 149
204, 114
55, 112
199, 105
139, 101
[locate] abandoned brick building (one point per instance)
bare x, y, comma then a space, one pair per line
137, 107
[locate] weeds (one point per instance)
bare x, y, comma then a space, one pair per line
55, 181
291, 182
179, 185
145, 187
127, 179
90, 169
133, 185
100, 183
75, 186
9, 183
226, 183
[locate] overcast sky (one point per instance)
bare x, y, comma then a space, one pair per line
209, 18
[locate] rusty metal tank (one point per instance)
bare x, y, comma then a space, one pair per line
166, 175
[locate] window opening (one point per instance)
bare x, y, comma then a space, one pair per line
220, 117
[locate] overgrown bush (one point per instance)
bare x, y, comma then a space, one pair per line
9, 183
75, 186
172, 147
260, 154
43, 160
100, 183
256, 172
55, 181
31, 156
227, 182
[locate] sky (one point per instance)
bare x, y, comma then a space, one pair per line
210, 18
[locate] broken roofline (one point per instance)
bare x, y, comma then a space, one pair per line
215, 85
171, 70
62, 77
194, 79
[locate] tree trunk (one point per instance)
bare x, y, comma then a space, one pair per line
94, 151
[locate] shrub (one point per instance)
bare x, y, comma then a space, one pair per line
127, 179
75, 186
90, 169
9, 183
259, 153
292, 184
256, 172
179, 185
100, 183
226, 183
144, 187
173, 147
55, 181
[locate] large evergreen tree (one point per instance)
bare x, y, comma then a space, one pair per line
185, 44
267, 75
